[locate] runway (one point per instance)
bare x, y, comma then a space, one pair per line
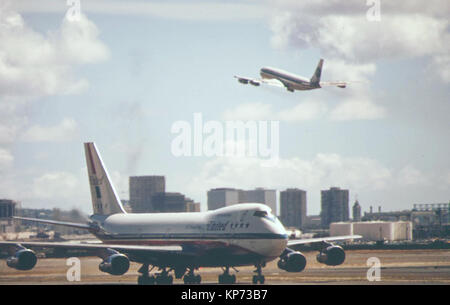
397, 267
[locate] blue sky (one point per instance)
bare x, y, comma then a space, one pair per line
124, 73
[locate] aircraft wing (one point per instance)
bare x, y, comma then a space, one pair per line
295, 242
89, 246
259, 81
335, 84
137, 253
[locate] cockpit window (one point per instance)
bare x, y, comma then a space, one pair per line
260, 214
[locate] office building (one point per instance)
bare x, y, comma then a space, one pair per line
259, 195
7, 210
293, 208
334, 204
222, 197
173, 202
142, 189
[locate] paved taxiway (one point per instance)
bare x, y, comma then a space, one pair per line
397, 267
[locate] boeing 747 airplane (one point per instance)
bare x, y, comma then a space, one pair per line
238, 235
280, 78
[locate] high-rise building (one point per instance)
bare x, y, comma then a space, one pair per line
222, 197
7, 210
192, 206
259, 195
293, 208
142, 189
334, 206
173, 202
356, 211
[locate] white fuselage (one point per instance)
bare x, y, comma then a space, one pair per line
290, 80
235, 227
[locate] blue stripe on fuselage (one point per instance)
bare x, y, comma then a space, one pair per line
201, 236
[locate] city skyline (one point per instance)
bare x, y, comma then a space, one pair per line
122, 75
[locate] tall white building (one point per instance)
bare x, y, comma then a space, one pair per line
260, 195
222, 197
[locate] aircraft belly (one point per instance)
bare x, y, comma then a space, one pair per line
209, 253
298, 86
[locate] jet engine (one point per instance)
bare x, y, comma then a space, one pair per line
115, 264
254, 83
332, 255
342, 86
243, 81
24, 259
292, 261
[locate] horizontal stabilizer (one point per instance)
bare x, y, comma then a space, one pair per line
56, 222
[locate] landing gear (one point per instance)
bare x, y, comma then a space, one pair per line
162, 278
145, 279
259, 278
191, 278
226, 277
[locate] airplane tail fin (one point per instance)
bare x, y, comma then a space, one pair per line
315, 79
104, 197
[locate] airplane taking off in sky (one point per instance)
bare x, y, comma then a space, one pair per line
281, 78
238, 235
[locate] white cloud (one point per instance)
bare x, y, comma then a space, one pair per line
352, 107
341, 30
409, 175
55, 185
308, 110
357, 108
32, 64
324, 170
6, 159
361, 175
78, 42
321, 171
65, 131
441, 66
7, 133
120, 183
338, 69
304, 111
249, 111
178, 10
354, 38
446, 178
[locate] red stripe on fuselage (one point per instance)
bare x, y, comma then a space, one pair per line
90, 158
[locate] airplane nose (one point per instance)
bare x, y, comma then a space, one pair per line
278, 229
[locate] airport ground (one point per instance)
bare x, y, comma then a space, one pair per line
397, 267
